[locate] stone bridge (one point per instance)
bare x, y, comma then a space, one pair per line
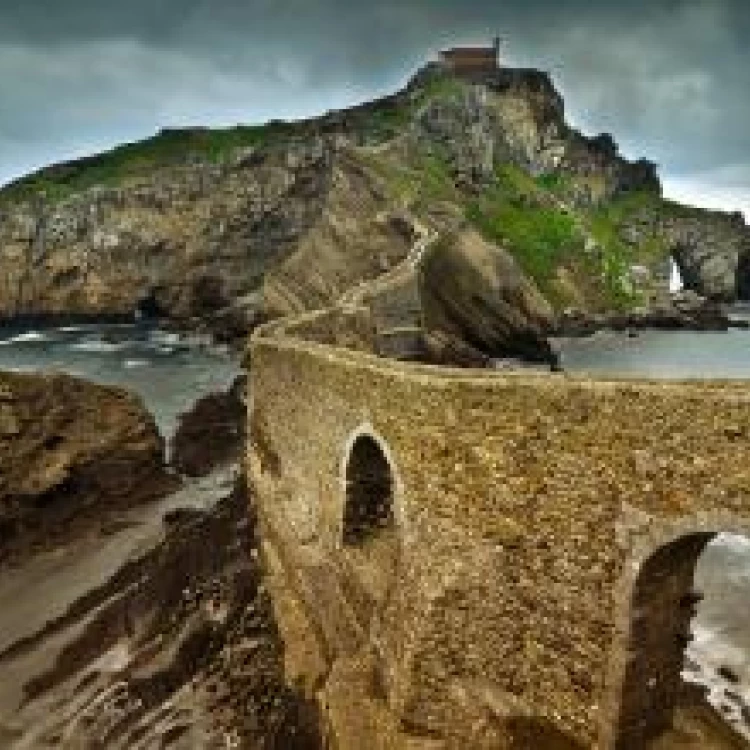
484, 559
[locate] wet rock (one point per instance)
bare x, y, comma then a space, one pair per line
71, 452
178, 649
212, 433
682, 311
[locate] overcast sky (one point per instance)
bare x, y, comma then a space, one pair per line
669, 78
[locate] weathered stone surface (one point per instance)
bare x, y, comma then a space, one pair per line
517, 525
526, 507
69, 450
475, 291
211, 433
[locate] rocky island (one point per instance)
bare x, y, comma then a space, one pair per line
224, 229
418, 556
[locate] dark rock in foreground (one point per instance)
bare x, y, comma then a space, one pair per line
211, 433
71, 451
178, 649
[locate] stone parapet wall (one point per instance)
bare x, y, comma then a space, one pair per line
524, 505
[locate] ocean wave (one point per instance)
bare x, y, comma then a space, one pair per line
71, 329
131, 363
97, 346
710, 660
164, 337
26, 337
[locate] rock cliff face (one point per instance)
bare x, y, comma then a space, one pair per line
711, 249
141, 618
293, 215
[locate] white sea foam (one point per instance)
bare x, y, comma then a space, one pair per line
164, 337
26, 337
711, 655
131, 363
97, 346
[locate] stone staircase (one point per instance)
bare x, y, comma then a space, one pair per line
394, 302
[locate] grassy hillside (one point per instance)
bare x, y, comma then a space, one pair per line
111, 168
573, 250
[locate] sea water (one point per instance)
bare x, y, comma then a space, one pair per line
169, 371
721, 628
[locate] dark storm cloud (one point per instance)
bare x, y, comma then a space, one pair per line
670, 78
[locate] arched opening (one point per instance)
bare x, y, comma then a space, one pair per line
687, 680
369, 524
368, 511
743, 277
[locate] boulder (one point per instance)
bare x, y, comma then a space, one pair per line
71, 451
212, 433
475, 291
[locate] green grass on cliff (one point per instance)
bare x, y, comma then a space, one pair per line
174, 146
526, 215
539, 235
111, 168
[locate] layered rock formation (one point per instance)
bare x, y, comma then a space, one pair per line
475, 291
178, 648
293, 216
71, 451
141, 620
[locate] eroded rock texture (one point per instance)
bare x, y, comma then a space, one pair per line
293, 221
178, 648
211, 433
71, 450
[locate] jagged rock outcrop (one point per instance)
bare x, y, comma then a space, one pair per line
212, 433
711, 248
177, 649
683, 310
518, 117
71, 451
185, 241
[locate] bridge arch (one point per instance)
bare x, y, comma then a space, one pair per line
372, 511
659, 605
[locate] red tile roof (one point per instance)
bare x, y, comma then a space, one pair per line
470, 52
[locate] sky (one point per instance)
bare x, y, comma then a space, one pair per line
670, 79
